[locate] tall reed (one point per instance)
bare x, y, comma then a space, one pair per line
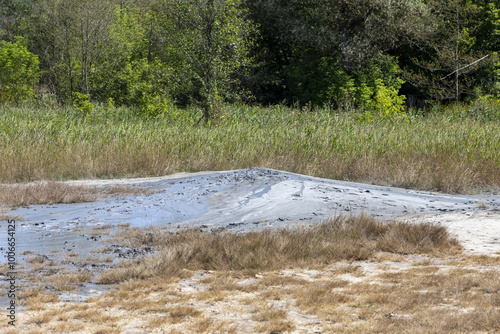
433, 152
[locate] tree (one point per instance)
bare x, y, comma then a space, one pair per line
301, 40
11, 11
440, 61
71, 40
487, 37
208, 40
19, 71
96, 48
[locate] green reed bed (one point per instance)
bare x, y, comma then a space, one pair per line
434, 152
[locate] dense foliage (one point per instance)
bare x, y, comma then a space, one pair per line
19, 71
373, 56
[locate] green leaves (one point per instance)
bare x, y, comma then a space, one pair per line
19, 71
210, 41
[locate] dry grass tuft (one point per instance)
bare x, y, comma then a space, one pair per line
53, 192
406, 238
70, 280
67, 327
342, 238
320, 297
47, 192
272, 319
180, 312
209, 325
6, 216
126, 191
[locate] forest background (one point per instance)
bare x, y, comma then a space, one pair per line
348, 54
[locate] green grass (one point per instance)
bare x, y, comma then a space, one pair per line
448, 151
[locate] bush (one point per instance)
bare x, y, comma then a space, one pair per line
386, 104
372, 88
19, 71
82, 103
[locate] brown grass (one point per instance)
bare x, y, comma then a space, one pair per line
67, 326
272, 320
6, 216
209, 325
48, 192
53, 192
308, 279
126, 191
411, 296
69, 281
341, 238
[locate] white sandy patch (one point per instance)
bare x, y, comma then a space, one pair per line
477, 231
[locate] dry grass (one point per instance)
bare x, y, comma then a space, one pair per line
69, 281
6, 216
271, 319
125, 271
67, 327
209, 325
53, 192
399, 294
179, 313
41, 318
39, 300
49, 192
126, 191
342, 238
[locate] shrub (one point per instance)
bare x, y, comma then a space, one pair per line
386, 104
82, 103
19, 71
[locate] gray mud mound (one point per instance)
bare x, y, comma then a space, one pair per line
239, 200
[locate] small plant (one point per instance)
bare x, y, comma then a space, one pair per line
482, 205
82, 103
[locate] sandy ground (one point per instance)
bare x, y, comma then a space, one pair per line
477, 231
251, 199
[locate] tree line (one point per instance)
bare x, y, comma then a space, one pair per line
338, 53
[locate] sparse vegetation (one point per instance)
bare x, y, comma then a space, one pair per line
401, 295
349, 274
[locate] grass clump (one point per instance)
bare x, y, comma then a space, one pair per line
341, 238
49, 192
53, 192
